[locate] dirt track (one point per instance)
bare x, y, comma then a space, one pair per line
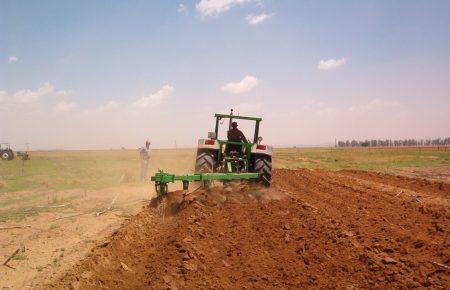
312, 229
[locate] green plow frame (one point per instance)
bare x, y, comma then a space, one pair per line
162, 179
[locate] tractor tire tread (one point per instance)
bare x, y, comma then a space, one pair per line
263, 165
204, 162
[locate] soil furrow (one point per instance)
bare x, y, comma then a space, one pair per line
312, 229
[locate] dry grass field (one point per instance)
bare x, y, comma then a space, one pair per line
63, 170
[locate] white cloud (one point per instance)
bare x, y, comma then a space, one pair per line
27, 96
13, 58
256, 19
331, 63
64, 107
215, 7
32, 96
243, 86
63, 93
182, 8
33, 101
154, 99
374, 104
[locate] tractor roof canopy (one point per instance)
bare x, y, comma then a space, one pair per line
224, 116
4, 146
233, 117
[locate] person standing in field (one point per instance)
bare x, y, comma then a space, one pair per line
144, 154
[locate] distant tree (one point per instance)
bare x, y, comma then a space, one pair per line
395, 143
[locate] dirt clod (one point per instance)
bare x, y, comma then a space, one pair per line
124, 266
388, 260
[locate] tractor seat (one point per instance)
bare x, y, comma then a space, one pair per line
234, 150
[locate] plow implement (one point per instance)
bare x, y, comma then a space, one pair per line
162, 179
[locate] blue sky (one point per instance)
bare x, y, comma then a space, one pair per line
102, 74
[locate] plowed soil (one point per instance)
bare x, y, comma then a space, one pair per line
311, 229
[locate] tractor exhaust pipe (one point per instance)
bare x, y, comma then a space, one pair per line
231, 120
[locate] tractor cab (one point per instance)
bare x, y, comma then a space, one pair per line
234, 149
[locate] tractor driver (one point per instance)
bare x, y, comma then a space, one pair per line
235, 135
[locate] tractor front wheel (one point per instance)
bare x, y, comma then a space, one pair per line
263, 166
204, 162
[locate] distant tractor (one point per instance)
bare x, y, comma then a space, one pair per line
223, 156
6, 152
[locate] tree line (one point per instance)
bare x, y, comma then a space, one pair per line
395, 143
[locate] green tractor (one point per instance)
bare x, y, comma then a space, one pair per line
223, 160
224, 156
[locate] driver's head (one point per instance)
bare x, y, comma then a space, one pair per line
234, 125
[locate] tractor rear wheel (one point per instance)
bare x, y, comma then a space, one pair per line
6, 155
263, 166
204, 162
